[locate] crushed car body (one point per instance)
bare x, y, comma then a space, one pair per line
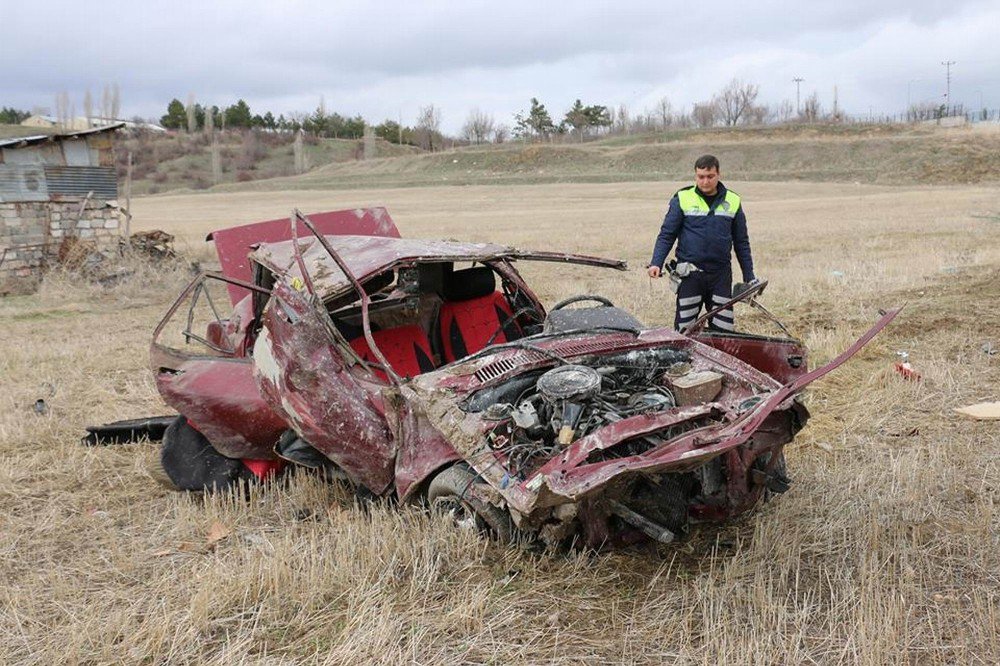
429, 371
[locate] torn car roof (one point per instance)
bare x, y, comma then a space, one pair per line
368, 255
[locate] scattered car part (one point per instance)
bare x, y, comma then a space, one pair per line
150, 428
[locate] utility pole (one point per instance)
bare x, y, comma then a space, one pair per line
947, 90
798, 83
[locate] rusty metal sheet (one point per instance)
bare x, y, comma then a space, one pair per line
78, 181
233, 244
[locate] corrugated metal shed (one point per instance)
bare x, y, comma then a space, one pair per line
71, 181
56, 166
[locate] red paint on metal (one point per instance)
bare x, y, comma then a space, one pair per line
690, 449
221, 400
783, 359
233, 244
264, 469
301, 371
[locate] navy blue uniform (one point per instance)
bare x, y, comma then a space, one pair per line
706, 236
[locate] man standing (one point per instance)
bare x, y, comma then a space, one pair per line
708, 223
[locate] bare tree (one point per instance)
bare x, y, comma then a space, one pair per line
703, 114
757, 114
478, 128
921, 111
428, 127
88, 108
116, 101
811, 109
501, 133
62, 110
622, 122
785, 111
192, 121
735, 99
664, 111
106, 103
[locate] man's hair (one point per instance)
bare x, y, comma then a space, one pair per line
707, 162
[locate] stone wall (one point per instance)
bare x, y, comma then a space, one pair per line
31, 234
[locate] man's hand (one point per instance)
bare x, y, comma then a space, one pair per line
653, 271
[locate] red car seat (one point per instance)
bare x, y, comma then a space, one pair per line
406, 348
473, 312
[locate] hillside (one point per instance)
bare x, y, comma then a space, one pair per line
164, 163
880, 155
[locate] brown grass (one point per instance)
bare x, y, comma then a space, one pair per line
885, 550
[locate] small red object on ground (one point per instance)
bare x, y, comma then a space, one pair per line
907, 371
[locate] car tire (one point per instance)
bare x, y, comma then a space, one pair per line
188, 461
448, 493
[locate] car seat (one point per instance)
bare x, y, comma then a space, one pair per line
472, 313
406, 348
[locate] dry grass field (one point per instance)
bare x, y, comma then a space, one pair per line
885, 551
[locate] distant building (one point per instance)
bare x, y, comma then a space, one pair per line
81, 123
55, 189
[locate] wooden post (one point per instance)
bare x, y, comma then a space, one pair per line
128, 197
79, 215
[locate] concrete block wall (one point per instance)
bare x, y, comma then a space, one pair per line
31, 233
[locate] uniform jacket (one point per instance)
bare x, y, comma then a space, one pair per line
705, 237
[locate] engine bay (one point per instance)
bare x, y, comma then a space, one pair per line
533, 417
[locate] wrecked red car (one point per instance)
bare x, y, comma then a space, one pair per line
428, 371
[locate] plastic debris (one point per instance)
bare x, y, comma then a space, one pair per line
989, 349
905, 370
983, 411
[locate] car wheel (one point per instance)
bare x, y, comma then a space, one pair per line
189, 462
449, 494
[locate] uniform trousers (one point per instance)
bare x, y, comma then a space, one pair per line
709, 290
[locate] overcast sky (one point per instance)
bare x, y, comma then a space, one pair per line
386, 59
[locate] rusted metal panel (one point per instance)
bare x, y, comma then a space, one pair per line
23, 182
77, 154
49, 153
301, 370
233, 244
25, 141
70, 181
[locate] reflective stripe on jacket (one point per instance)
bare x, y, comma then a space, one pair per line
705, 237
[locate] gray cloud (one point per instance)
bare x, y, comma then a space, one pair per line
384, 59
